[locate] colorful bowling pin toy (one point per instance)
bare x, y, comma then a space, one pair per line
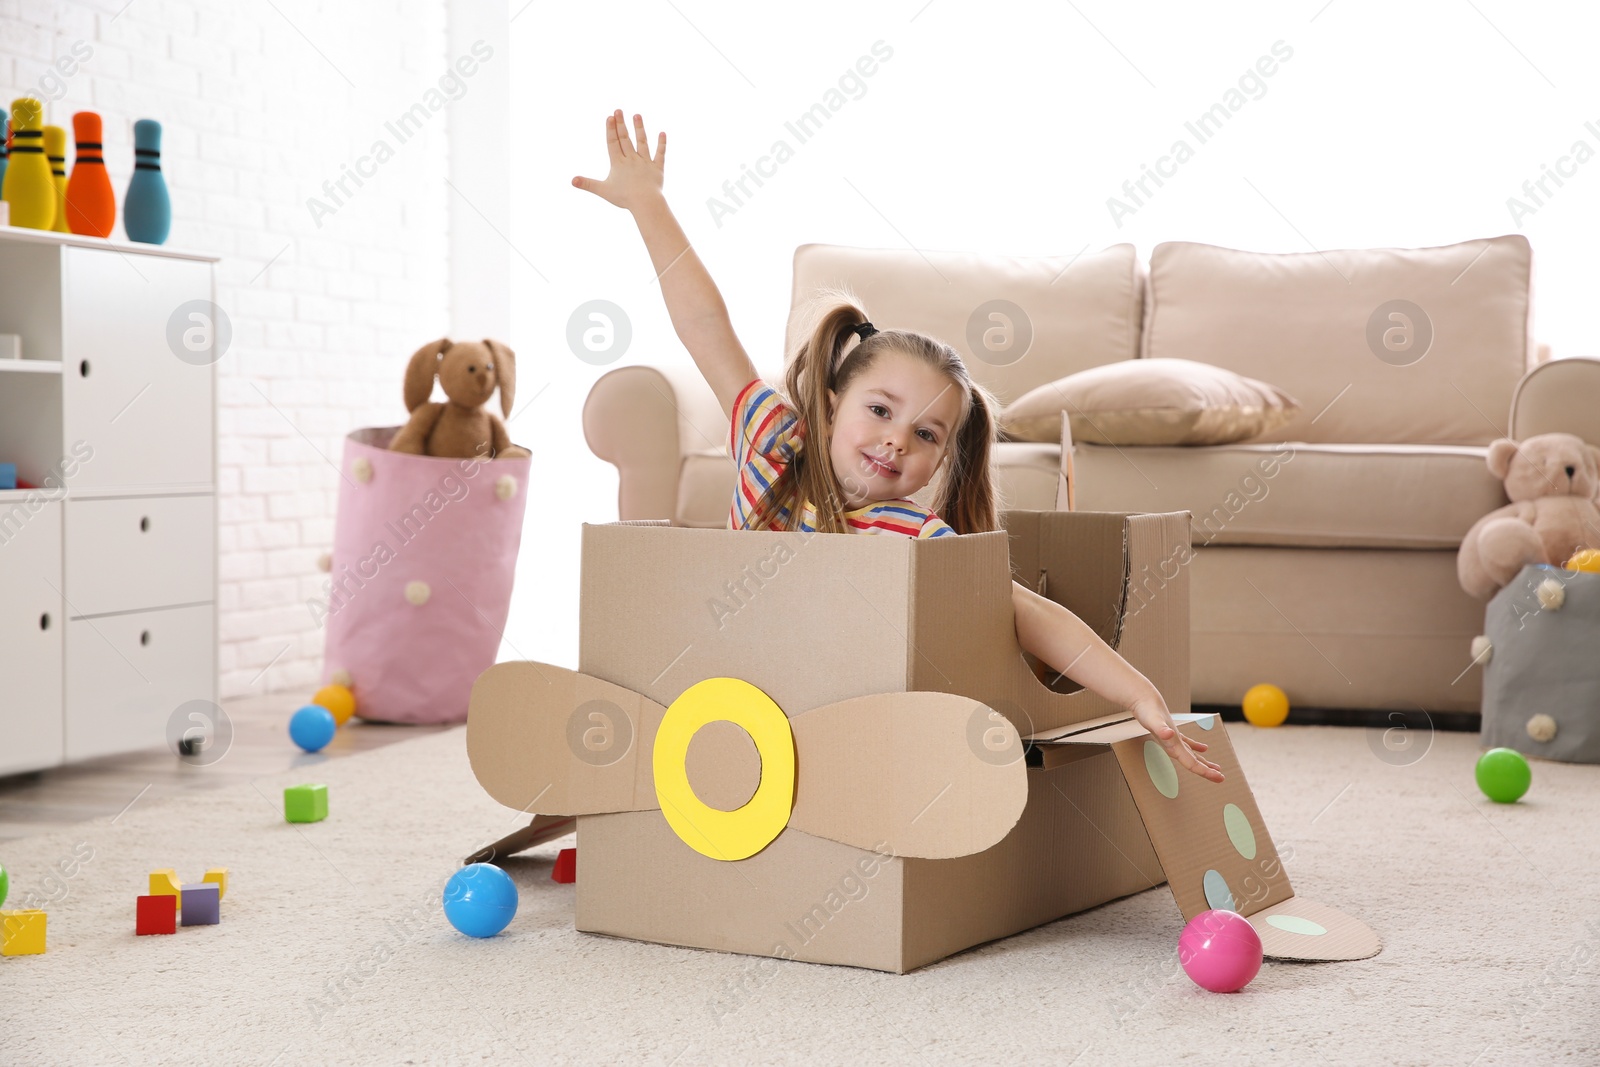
147, 210
28, 186
91, 205
55, 150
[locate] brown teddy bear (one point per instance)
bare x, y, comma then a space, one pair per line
1553, 482
469, 371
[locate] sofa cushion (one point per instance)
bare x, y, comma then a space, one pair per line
1297, 493
1151, 402
1419, 345
1017, 321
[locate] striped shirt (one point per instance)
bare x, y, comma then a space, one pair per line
764, 436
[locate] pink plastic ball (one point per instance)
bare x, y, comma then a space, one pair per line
1220, 950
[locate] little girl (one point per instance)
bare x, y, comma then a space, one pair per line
889, 409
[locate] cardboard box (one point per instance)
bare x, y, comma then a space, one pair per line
831, 748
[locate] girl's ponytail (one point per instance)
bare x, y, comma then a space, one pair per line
812, 370
968, 501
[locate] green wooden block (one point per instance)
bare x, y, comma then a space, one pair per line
305, 803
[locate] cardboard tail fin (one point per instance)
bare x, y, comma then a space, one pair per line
1214, 847
543, 828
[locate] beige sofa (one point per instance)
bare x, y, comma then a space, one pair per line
1335, 577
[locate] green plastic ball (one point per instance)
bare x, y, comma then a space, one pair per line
1503, 775
5, 885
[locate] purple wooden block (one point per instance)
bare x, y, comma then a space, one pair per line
202, 904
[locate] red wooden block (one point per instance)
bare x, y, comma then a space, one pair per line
157, 915
566, 868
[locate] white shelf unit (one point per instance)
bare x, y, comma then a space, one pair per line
108, 572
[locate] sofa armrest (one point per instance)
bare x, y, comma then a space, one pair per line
1558, 397
643, 420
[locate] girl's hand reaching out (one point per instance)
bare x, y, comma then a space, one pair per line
635, 178
1185, 751
1057, 636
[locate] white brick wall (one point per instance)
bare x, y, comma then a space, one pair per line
259, 105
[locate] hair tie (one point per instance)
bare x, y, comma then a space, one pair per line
863, 331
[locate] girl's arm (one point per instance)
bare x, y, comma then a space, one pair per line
698, 314
1062, 640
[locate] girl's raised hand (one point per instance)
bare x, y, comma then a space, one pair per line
634, 177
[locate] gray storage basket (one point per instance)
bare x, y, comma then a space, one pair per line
1544, 660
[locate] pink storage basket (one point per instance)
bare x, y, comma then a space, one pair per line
424, 554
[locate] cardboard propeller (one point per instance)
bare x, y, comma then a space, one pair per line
730, 771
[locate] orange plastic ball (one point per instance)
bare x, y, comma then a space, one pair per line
1265, 705
1585, 559
337, 699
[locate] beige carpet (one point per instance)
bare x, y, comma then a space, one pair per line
333, 947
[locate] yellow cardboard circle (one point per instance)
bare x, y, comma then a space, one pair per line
741, 833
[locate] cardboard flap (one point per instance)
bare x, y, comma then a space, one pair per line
1062, 733
1108, 735
1215, 850
935, 775
1100, 732
1081, 565
547, 739
1210, 837
1301, 929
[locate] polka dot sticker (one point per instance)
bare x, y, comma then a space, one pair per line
1296, 925
1240, 832
1163, 775
1206, 721
1218, 895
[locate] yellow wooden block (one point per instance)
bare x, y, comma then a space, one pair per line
218, 875
23, 932
164, 883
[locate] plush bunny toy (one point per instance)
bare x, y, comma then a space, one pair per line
469, 371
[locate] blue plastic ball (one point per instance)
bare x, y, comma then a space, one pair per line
480, 900
312, 727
